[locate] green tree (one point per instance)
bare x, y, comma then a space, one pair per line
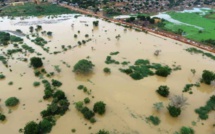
31, 128
163, 71
36, 62
83, 66
99, 107
174, 111
102, 132
163, 91
208, 76
12, 101
186, 130
2, 117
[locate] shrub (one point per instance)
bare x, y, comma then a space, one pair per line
88, 114
86, 100
102, 132
31, 128
79, 105
59, 95
36, 83
83, 66
163, 91
56, 83
10, 83
75, 35
106, 70
12, 101
186, 130
174, 111
36, 62
155, 120
80, 87
99, 107
92, 120
95, 23
2, 76
46, 125
208, 76
163, 71
2, 117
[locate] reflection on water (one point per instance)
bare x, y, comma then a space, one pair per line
125, 97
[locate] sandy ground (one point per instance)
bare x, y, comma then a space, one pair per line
128, 101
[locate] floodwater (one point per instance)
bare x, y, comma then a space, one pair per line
128, 101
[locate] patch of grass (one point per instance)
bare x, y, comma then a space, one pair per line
197, 51
31, 9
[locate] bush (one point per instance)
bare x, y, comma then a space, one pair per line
163, 91
12, 101
102, 132
56, 83
186, 130
99, 107
155, 120
46, 125
208, 76
86, 100
2, 117
59, 95
2, 76
79, 105
88, 114
174, 111
80, 87
31, 128
163, 71
106, 70
36, 62
83, 66
36, 83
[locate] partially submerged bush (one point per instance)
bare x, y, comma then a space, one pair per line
2, 76
36, 62
31, 128
99, 107
103, 132
154, 119
83, 66
163, 91
186, 130
56, 83
208, 77
36, 83
86, 100
2, 117
163, 71
106, 70
174, 111
12, 101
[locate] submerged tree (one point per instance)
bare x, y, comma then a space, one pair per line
83, 66
36, 62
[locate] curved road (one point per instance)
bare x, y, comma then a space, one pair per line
168, 35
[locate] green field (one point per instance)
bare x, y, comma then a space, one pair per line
195, 19
31, 9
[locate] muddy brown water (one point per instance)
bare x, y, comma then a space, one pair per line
128, 101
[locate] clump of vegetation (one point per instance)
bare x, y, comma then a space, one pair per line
2, 117
109, 60
158, 105
114, 53
40, 41
186, 130
87, 113
204, 110
80, 87
95, 23
208, 77
103, 132
154, 119
10, 83
163, 91
99, 107
36, 83
143, 68
12, 101
83, 66
174, 111
56, 83
188, 87
197, 51
2, 76
31, 128
86, 100
28, 48
36, 62
163, 71
107, 70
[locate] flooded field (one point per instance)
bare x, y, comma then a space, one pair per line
128, 101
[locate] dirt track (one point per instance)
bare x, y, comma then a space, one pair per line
172, 36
